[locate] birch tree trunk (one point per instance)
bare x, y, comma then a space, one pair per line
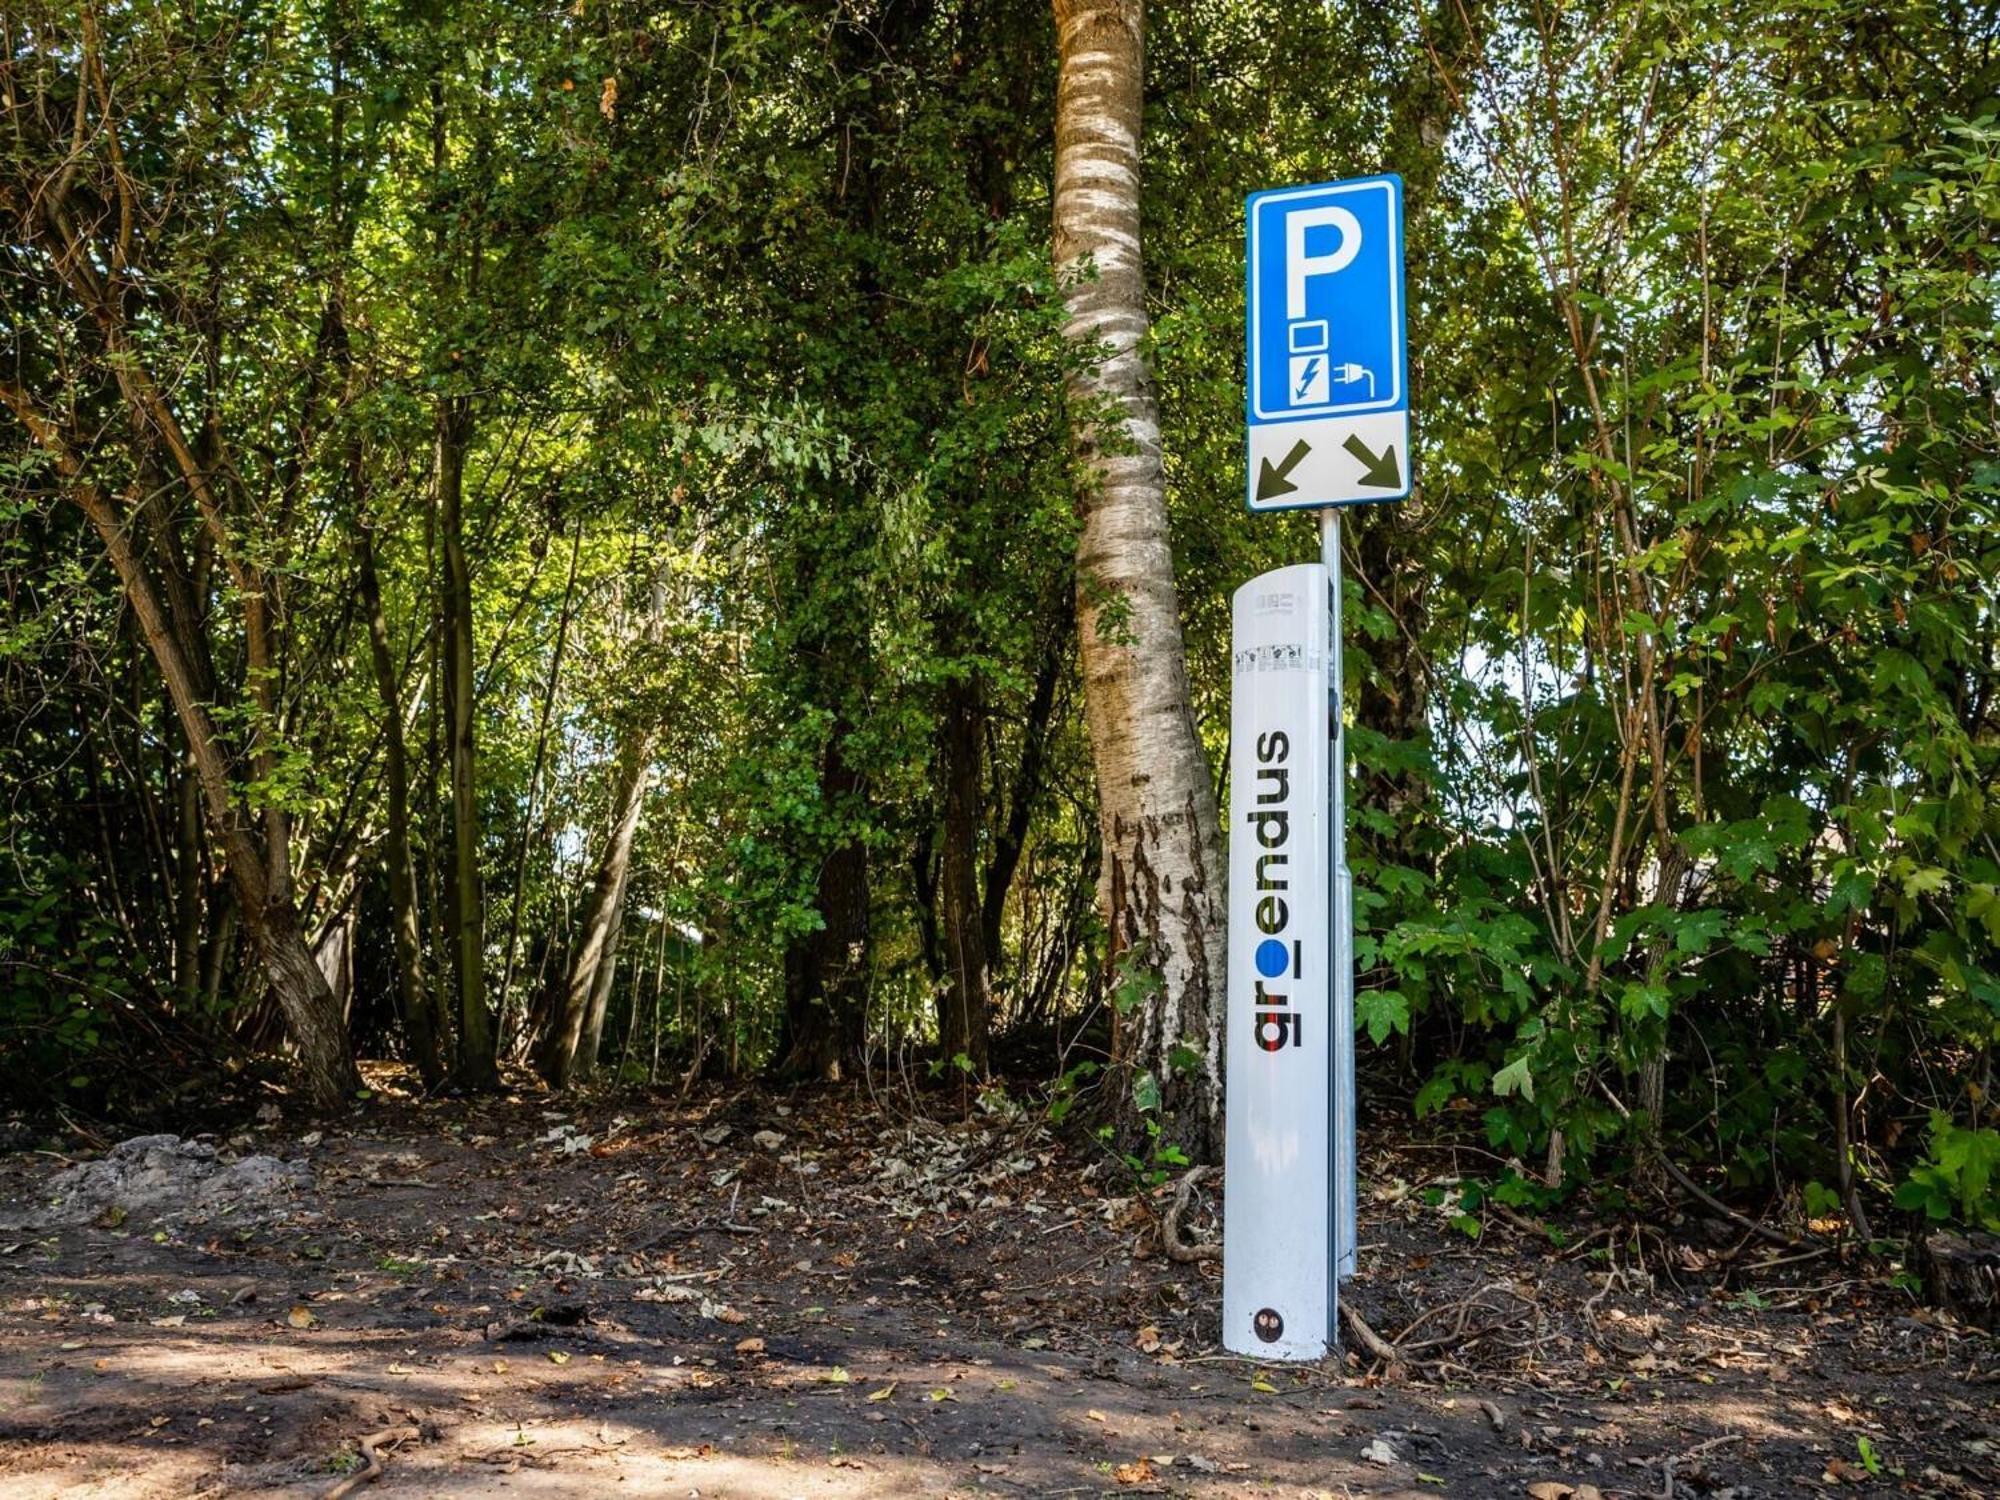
1161, 884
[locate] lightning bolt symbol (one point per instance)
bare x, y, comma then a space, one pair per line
1305, 380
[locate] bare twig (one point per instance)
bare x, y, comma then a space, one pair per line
1379, 1347
1695, 1452
373, 1472
1464, 1308
1708, 1200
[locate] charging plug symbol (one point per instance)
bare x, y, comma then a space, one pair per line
1313, 375
1351, 374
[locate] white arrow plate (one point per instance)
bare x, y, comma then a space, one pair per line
1330, 471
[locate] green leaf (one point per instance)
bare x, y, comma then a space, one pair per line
1382, 1013
1146, 1093
1515, 1079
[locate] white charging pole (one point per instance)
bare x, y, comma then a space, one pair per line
1280, 1289
1341, 889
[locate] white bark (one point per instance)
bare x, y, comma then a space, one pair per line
1162, 885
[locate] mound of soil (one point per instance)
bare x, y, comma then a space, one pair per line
155, 1177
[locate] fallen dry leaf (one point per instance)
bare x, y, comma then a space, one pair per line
750, 1346
1139, 1471
884, 1394
1550, 1489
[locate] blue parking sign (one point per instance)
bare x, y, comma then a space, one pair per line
1329, 402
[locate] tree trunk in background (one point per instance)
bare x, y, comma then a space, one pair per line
424, 1027
964, 1006
826, 972
1161, 884
189, 886
589, 1051
530, 833
465, 913
1027, 787
334, 953
267, 906
569, 1049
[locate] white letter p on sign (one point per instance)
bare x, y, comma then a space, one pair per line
1299, 265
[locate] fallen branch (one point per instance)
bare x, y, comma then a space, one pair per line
373, 1472
1708, 1200
1377, 1346
1695, 1452
688, 1231
1185, 1252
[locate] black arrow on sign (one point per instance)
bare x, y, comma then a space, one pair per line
1376, 473
1271, 482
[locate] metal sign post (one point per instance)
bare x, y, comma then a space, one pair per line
1329, 426
1345, 1188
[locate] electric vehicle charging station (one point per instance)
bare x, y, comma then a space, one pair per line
1329, 426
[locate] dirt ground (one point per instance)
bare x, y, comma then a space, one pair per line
531, 1301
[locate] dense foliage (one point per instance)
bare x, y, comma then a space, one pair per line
619, 417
